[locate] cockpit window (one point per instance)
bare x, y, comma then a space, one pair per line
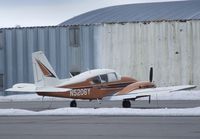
112, 77
96, 80
104, 78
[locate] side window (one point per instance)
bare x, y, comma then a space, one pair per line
112, 77
74, 37
96, 80
1, 39
1, 81
104, 78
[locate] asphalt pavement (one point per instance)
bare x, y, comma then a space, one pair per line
99, 127
38, 105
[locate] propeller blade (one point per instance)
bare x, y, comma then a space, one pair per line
151, 74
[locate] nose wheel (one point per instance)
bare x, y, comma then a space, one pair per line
126, 104
73, 103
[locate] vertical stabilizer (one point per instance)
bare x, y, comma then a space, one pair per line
44, 75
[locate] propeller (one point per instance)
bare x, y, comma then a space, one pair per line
151, 74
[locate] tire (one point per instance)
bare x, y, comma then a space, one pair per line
73, 103
126, 104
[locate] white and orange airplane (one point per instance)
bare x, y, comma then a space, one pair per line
97, 84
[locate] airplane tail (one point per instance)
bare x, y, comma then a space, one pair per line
44, 75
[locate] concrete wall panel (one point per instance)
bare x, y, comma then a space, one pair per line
171, 48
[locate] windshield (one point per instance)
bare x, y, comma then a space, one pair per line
110, 77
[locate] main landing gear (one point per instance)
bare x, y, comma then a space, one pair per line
126, 103
73, 103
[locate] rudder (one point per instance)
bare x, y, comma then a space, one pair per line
44, 75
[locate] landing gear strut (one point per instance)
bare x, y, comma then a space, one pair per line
126, 103
73, 103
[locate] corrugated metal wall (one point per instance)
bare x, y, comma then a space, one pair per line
54, 41
171, 48
1, 61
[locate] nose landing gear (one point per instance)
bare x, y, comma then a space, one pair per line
73, 103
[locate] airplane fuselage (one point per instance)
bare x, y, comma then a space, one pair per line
90, 90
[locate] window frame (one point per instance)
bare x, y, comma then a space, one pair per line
74, 36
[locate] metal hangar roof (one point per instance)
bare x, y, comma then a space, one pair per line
178, 10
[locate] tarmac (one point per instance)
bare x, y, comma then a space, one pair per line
142, 104
98, 127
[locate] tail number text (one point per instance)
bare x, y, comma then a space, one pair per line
80, 92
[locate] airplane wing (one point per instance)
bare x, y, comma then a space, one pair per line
147, 92
27, 87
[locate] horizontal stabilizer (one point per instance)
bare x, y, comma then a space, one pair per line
26, 87
22, 87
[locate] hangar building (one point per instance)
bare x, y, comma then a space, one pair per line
128, 38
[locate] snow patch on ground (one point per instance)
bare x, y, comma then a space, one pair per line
178, 95
29, 97
105, 112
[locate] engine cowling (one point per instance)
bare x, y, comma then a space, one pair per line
135, 86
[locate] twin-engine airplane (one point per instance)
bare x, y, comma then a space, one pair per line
97, 84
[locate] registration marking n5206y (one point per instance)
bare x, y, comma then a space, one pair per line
80, 92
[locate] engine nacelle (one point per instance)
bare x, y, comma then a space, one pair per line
135, 86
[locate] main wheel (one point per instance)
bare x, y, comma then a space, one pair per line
73, 103
126, 104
